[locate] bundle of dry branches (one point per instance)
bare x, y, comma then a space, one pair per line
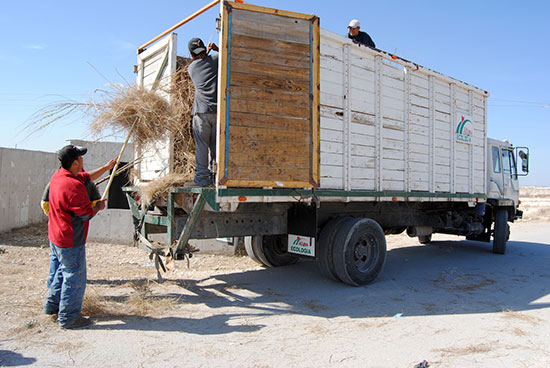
182, 94
123, 105
160, 187
160, 115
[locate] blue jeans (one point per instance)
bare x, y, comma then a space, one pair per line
66, 283
204, 134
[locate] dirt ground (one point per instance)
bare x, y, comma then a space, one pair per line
452, 303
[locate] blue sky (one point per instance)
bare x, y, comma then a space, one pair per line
59, 50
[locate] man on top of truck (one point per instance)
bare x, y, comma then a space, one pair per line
204, 74
359, 37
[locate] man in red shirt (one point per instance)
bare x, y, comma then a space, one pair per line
70, 210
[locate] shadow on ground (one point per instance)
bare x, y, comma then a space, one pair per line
10, 358
445, 277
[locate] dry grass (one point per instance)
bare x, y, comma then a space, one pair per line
95, 305
152, 116
510, 314
160, 187
519, 332
145, 304
534, 192
466, 282
182, 94
471, 349
124, 107
535, 203
141, 302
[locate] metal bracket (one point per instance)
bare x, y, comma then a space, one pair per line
192, 219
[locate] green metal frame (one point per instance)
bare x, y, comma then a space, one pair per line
286, 192
209, 196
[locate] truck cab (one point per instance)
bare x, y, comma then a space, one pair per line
503, 173
502, 191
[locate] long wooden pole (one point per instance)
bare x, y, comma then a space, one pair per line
173, 28
118, 161
122, 169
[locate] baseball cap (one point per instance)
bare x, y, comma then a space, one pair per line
196, 46
354, 24
70, 153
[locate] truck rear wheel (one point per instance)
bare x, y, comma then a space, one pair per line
250, 250
359, 251
271, 250
502, 231
325, 245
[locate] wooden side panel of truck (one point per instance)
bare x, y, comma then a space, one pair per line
268, 98
396, 126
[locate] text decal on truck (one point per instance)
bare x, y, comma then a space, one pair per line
464, 130
303, 245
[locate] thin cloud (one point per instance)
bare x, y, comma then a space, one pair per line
35, 47
126, 46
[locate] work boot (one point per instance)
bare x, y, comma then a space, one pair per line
79, 322
52, 313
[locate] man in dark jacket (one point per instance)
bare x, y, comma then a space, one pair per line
203, 71
359, 37
70, 210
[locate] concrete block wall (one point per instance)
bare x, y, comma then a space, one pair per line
23, 177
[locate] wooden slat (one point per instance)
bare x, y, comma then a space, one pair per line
222, 96
276, 47
315, 109
239, 134
268, 183
274, 83
263, 94
274, 174
268, 160
270, 26
269, 57
262, 9
300, 126
266, 70
273, 108
282, 148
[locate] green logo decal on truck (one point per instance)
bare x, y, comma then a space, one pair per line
303, 245
464, 130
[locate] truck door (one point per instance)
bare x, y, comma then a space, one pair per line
495, 187
510, 179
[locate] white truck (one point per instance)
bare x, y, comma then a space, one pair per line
325, 147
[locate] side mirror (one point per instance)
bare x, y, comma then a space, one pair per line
522, 155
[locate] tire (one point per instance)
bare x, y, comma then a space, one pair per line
271, 250
502, 231
359, 251
325, 244
425, 239
250, 250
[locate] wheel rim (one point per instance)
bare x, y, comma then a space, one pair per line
365, 253
279, 245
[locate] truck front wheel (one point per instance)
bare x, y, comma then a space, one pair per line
271, 250
359, 251
502, 231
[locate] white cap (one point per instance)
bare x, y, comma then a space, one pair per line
354, 24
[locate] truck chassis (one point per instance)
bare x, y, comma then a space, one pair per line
345, 231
